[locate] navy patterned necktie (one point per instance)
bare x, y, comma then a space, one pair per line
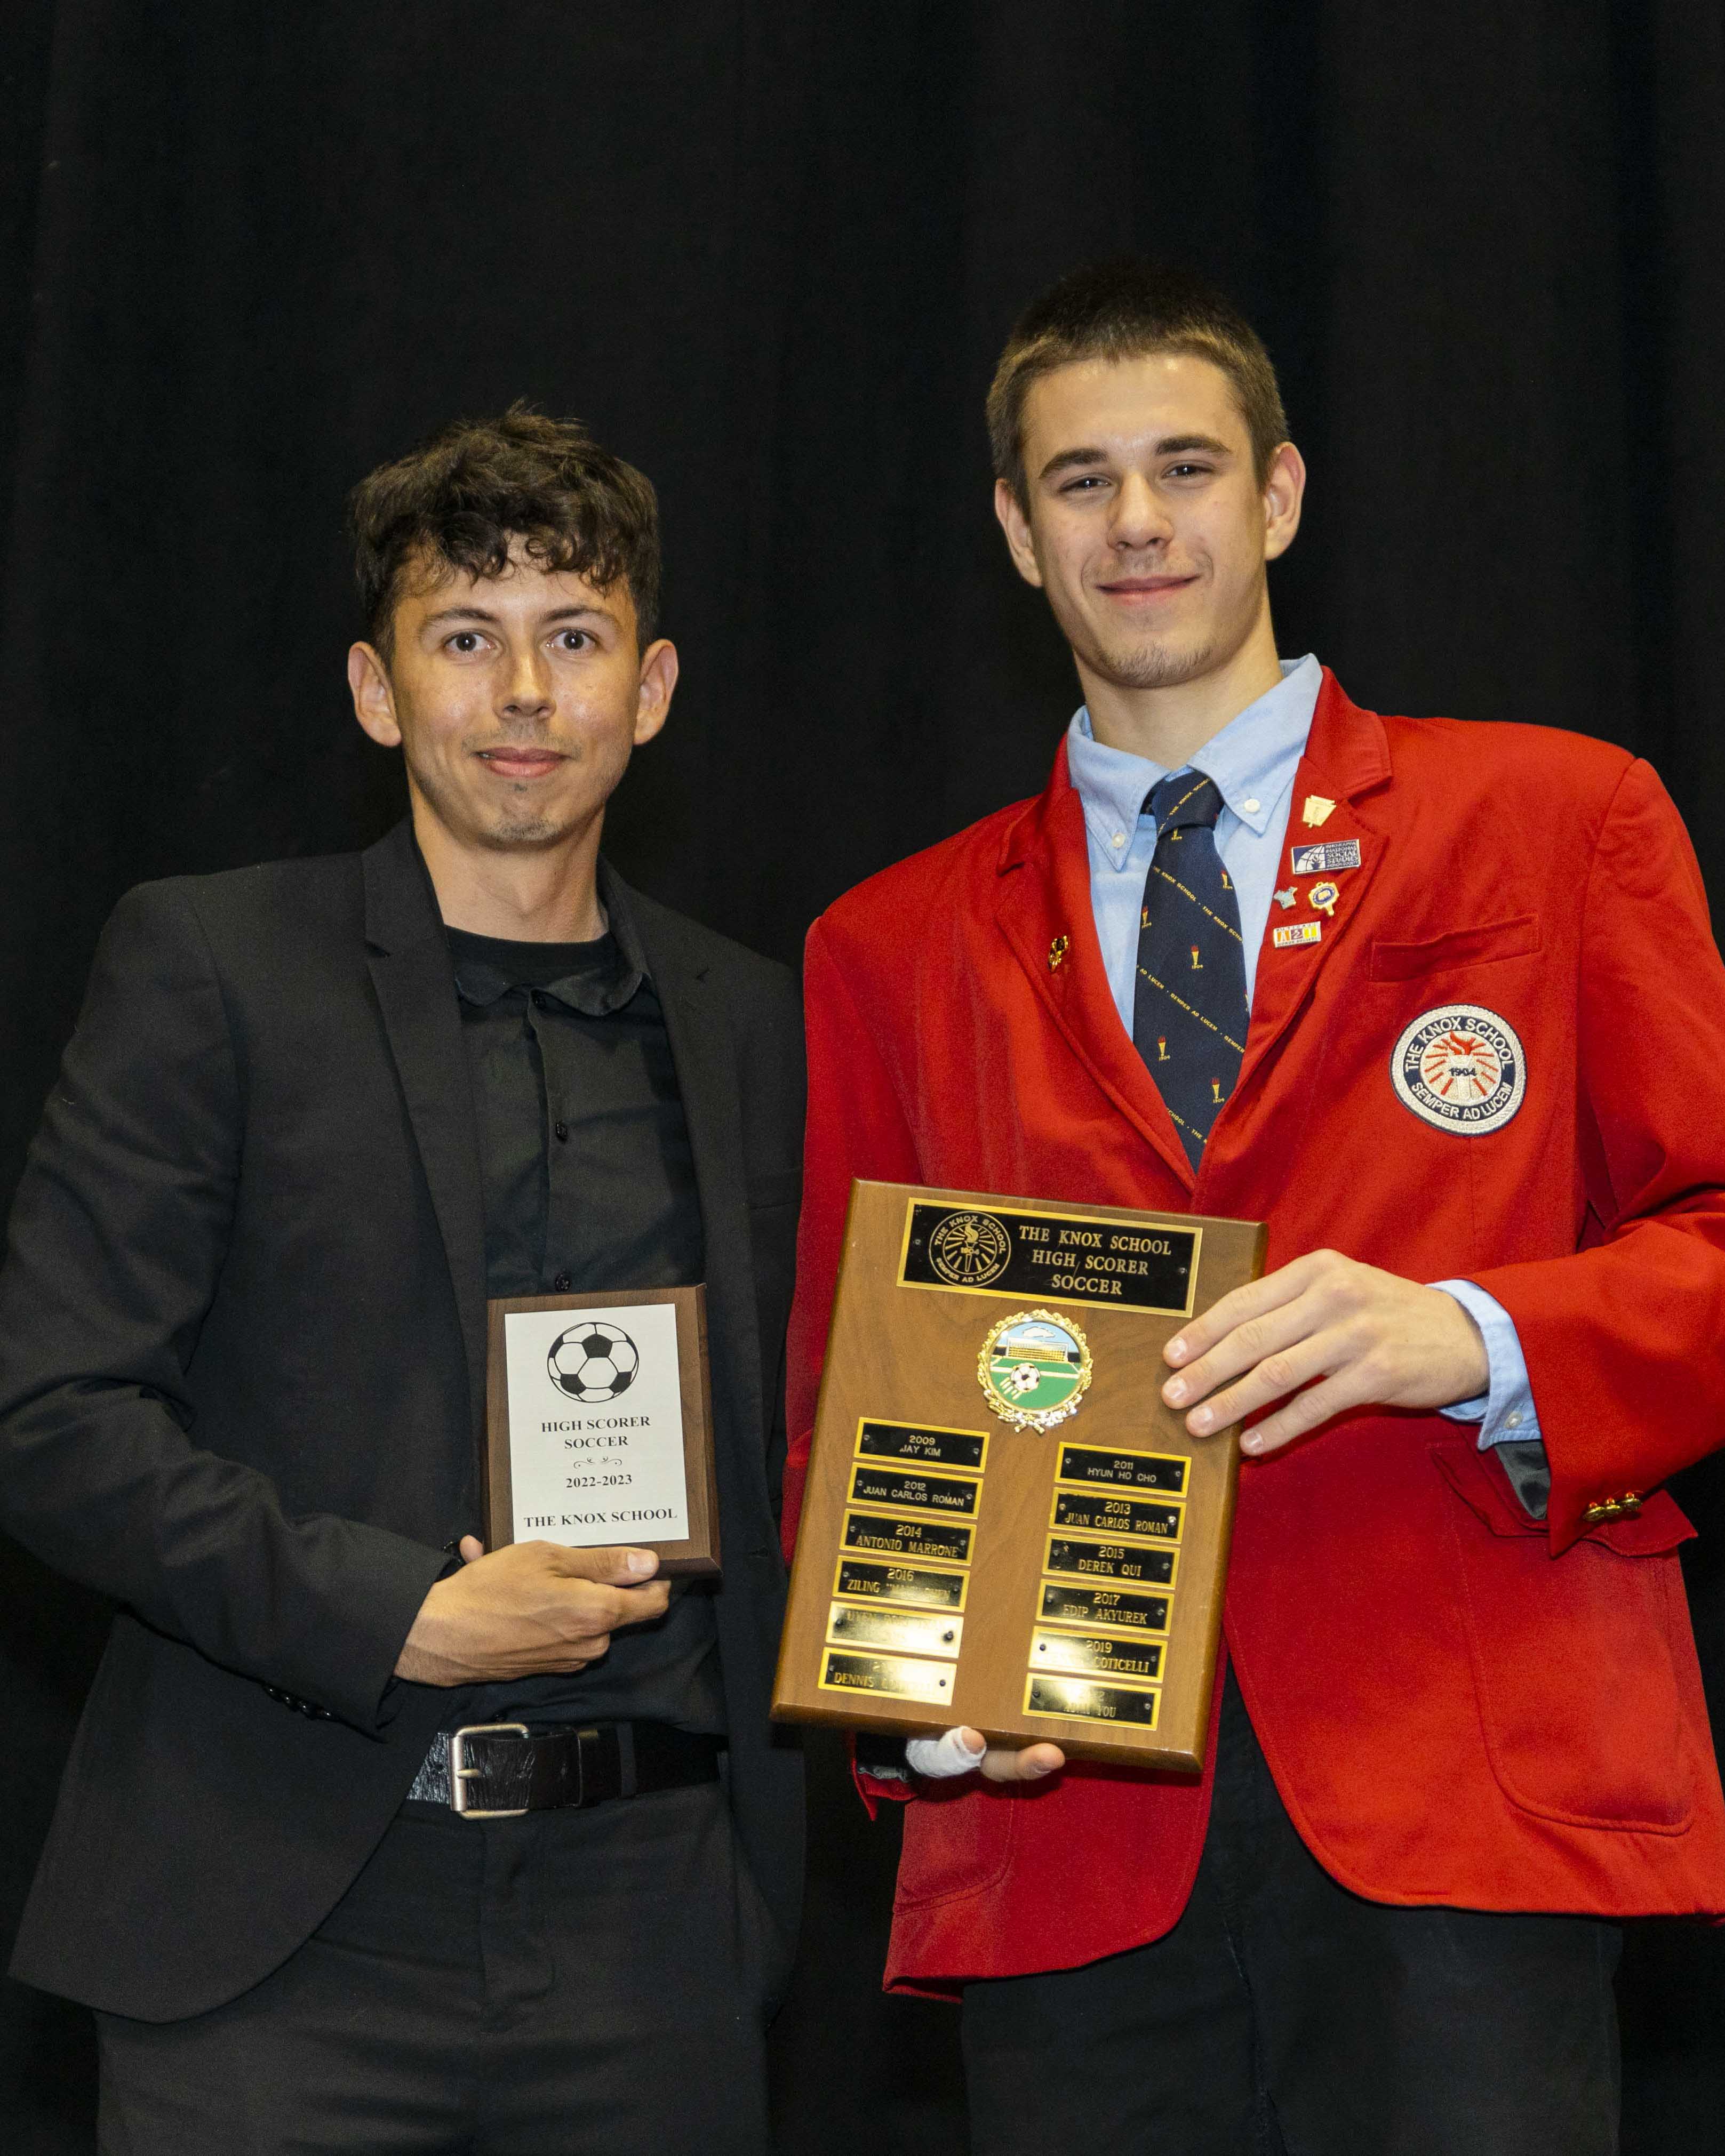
1189, 1012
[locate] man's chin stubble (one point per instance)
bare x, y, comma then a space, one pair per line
521, 833
1154, 666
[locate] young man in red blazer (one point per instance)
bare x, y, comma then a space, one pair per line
1452, 1022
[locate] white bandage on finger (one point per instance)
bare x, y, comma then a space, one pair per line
940, 1757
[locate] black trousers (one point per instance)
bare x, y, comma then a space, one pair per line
1284, 2016
564, 1985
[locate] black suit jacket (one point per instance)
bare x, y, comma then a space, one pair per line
242, 1371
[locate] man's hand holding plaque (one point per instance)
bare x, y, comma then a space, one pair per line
530, 1609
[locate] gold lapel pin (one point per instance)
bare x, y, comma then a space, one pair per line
1317, 810
1056, 951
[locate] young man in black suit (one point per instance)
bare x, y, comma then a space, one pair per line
315, 1113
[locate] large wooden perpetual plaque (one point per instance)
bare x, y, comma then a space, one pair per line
1003, 1526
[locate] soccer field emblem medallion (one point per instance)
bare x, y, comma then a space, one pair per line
1033, 1368
1461, 1068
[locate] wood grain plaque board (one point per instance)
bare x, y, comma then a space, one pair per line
956, 1566
697, 1553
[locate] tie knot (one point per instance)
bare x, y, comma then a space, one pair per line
1182, 801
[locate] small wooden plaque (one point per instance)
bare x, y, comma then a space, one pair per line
600, 1424
1003, 1525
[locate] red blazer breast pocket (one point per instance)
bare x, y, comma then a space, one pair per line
1517, 937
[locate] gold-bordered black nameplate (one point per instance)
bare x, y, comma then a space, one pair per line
1139, 1567
893, 1676
965, 1449
910, 1490
904, 1631
911, 1586
936, 1538
1116, 1516
1093, 1654
1072, 1700
1093, 1465
1103, 1606
1076, 1257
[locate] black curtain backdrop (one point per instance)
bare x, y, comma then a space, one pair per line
769, 252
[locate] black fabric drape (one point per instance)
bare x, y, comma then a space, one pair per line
769, 252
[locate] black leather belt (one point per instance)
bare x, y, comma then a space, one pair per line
500, 1770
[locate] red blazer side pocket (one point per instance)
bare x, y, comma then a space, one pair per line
1573, 1656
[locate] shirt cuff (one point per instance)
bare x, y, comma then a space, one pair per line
1504, 1411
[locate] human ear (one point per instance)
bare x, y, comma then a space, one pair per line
1284, 492
1016, 525
373, 699
658, 678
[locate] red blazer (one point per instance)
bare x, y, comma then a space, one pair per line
1460, 1704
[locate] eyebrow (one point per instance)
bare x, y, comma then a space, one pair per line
484, 613
1169, 445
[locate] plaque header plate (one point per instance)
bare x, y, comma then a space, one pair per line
1073, 1257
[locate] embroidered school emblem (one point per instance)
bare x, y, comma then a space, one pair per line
1461, 1068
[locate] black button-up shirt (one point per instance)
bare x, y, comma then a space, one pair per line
589, 1185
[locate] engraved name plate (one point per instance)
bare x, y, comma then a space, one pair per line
1152, 1567
913, 1490
1091, 1702
934, 1448
874, 1531
1122, 1470
1087, 1654
1116, 1516
906, 1631
895, 1675
1098, 1605
918, 1586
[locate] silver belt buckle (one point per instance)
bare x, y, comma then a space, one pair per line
460, 1774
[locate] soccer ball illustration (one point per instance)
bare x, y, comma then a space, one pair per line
593, 1362
1024, 1378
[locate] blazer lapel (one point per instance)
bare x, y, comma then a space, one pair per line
415, 987
699, 1032
1346, 756
1043, 906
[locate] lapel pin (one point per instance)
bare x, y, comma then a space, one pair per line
1323, 897
1285, 898
1056, 951
1316, 810
1295, 933
1326, 859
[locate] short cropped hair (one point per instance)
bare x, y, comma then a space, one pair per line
463, 496
1129, 309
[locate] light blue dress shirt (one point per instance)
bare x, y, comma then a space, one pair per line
1253, 761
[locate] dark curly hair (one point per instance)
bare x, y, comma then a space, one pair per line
461, 498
